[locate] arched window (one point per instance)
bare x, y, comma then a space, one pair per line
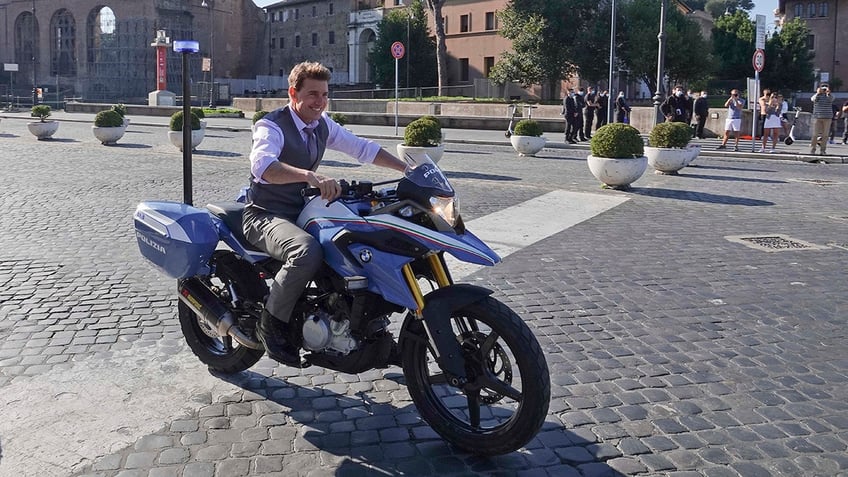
63, 44
811, 10
799, 10
26, 39
823, 9
100, 35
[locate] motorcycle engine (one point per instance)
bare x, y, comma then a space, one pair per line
321, 333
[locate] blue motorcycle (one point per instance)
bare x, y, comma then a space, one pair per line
473, 368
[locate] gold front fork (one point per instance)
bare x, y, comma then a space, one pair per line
438, 272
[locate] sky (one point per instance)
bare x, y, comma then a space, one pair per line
765, 7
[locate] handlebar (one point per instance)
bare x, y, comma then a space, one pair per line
352, 190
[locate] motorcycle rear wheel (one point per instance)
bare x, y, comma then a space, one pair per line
506, 400
220, 353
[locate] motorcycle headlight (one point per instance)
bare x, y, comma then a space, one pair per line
446, 208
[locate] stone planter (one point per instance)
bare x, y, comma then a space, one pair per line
617, 173
126, 121
176, 138
694, 150
43, 130
668, 160
108, 136
435, 152
527, 145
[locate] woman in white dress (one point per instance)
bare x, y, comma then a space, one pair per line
770, 106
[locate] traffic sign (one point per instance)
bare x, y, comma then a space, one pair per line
398, 50
759, 60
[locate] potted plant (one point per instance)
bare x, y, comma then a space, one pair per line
667, 152
527, 138
108, 127
176, 133
617, 158
423, 135
201, 115
42, 129
258, 115
122, 110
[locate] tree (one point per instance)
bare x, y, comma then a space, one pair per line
717, 8
420, 48
733, 45
687, 53
789, 63
435, 7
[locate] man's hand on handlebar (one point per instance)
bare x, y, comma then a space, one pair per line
329, 187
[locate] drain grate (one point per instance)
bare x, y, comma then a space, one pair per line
821, 182
774, 242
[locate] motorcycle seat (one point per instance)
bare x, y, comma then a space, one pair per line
231, 214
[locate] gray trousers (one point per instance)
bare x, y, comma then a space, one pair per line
300, 253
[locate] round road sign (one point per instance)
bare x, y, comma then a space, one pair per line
398, 50
759, 60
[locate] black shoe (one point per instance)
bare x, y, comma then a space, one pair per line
572, 141
272, 333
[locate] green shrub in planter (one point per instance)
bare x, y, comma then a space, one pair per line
259, 115
670, 135
199, 113
528, 127
177, 121
617, 141
339, 118
108, 119
120, 109
423, 132
41, 111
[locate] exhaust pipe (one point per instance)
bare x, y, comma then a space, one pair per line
200, 299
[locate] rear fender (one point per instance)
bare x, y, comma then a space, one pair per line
438, 307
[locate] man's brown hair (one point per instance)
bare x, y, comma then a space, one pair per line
307, 70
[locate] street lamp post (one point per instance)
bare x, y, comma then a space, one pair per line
211, 52
186, 48
34, 64
610, 87
658, 95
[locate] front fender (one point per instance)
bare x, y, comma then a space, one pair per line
438, 307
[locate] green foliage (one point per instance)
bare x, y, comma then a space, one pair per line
199, 113
670, 135
108, 119
258, 115
789, 64
422, 132
177, 121
420, 56
339, 118
733, 44
617, 141
121, 109
41, 111
528, 127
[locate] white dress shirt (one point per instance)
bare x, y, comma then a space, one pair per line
268, 142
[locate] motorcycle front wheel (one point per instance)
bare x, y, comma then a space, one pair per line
506, 399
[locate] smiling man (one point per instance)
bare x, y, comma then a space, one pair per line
288, 145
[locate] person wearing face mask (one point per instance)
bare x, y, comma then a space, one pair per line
288, 145
702, 111
603, 107
569, 110
581, 106
622, 109
676, 107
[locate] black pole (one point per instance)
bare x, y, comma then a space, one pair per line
34, 65
658, 95
186, 132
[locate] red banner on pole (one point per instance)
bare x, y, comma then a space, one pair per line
161, 68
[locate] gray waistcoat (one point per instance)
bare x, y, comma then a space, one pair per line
285, 199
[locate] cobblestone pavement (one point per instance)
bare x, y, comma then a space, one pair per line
673, 349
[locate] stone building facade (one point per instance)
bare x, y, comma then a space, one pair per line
826, 38
100, 50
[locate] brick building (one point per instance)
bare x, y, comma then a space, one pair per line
826, 38
100, 50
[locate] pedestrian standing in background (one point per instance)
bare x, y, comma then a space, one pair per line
603, 109
569, 110
675, 108
690, 97
580, 99
845, 122
733, 123
622, 109
837, 113
771, 127
822, 117
702, 111
591, 109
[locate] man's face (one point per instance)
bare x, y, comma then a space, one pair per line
311, 100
